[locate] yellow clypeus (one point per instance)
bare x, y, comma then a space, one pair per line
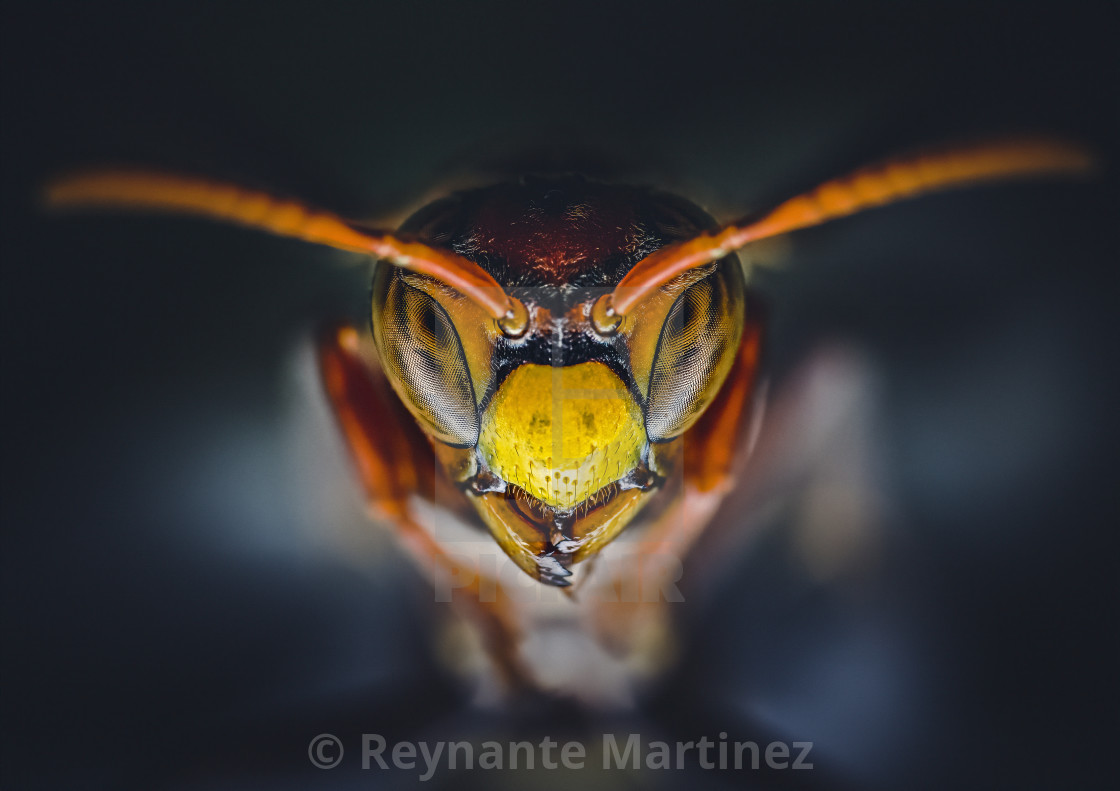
562, 434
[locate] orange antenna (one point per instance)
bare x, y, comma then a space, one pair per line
176, 194
877, 185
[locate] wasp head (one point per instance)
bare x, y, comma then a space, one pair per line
561, 429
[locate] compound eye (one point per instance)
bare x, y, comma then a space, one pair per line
423, 357
694, 353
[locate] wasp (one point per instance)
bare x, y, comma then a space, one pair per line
556, 360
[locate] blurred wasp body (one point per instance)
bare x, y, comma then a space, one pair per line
549, 357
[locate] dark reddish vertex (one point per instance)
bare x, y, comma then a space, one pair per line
557, 231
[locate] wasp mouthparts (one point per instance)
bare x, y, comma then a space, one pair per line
551, 571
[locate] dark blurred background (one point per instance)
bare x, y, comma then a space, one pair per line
181, 608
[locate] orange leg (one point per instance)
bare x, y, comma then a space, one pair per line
711, 451
395, 463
